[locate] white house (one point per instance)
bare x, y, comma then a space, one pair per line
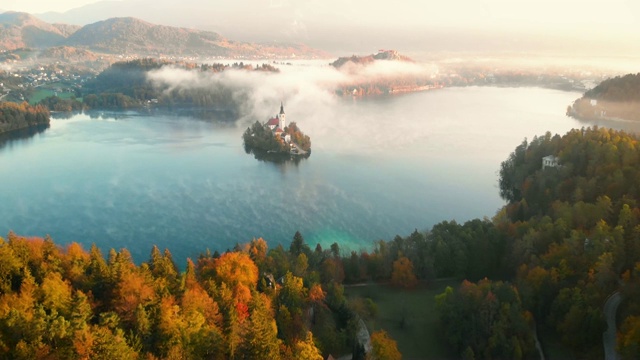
550, 161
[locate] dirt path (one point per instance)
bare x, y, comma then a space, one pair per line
609, 337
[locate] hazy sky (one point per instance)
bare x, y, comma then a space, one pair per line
324, 22
519, 13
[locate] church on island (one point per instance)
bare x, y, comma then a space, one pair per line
277, 125
275, 136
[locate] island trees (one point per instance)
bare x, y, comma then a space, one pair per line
259, 139
266, 144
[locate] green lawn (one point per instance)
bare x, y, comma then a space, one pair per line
41, 93
418, 339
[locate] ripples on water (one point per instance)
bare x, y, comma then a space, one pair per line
379, 167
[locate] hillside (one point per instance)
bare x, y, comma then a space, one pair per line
131, 36
20, 30
68, 53
614, 98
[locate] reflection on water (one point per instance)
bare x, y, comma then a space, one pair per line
215, 115
281, 160
218, 115
21, 136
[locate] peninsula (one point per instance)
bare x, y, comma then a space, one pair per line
14, 116
616, 98
412, 79
276, 137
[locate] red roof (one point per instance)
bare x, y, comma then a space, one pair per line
273, 121
278, 130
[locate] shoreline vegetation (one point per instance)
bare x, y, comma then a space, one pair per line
14, 116
126, 85
614, 99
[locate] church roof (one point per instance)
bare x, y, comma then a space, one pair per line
281, 108
273, 121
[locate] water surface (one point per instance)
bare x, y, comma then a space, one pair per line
379, 167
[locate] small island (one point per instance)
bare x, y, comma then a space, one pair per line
276, 140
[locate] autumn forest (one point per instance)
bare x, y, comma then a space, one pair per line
567, 239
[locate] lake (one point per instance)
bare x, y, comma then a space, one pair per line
380, 167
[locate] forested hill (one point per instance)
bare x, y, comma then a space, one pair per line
625, 88
573, 234
19, 116
133, 36
127, 85
617, 97
568, 238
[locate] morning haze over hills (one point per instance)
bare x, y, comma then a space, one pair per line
472, 193
130, 36
337, 26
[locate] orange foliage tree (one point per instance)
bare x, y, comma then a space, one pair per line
383, 347
402, 275
235, 268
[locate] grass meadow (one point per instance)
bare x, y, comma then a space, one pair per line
409, 316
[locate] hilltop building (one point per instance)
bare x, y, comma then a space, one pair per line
550, 161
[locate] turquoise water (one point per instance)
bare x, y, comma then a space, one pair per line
379, 167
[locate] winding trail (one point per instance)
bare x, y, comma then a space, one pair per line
609, 337
535, 338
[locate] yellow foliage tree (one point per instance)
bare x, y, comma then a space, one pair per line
235, 268
403, 275
383, 347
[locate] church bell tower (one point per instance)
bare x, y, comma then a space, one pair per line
283, 123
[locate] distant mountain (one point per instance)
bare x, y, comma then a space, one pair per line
20, 30
390, 55
131, 36
90, 13
246, 20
